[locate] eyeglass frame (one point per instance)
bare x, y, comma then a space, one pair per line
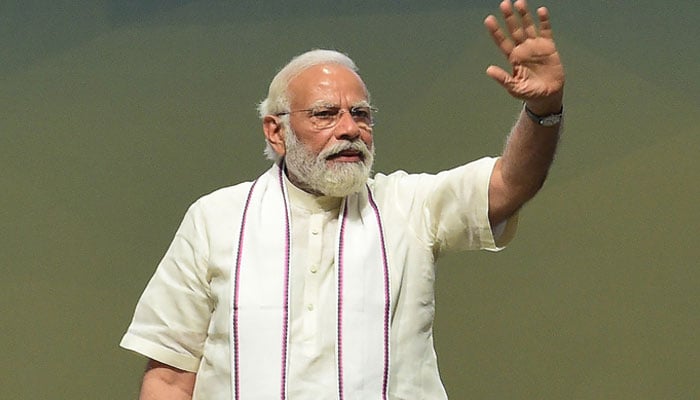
337, 116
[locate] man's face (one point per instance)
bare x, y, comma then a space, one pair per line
336, 160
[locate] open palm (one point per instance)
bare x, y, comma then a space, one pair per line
537, 71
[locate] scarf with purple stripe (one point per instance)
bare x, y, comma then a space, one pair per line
261, 296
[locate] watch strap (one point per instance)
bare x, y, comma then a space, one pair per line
545, 120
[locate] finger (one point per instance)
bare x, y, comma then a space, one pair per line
528, 24
498, 36
545, 25
512, 22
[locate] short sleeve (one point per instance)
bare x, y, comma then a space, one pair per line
172, 316
456, 209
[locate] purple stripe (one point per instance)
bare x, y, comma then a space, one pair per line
387, 297
236, 291
341, 266
285, 323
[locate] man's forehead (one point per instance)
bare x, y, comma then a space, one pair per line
317, 82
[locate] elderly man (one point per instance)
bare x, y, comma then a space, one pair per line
315, 281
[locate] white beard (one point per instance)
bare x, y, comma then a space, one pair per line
313, 173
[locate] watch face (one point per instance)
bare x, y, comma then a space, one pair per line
550, 120
547, 120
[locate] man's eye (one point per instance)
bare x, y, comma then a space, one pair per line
325, 113
361, 113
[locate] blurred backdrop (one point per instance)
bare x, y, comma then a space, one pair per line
117, 114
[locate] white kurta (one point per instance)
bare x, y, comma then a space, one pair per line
183, 317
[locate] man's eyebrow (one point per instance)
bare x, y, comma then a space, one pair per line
323, 103
361, 103
328, 104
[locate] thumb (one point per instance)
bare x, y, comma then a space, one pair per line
499, 75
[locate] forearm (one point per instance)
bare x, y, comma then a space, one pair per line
525, 162
530, 150
163, 382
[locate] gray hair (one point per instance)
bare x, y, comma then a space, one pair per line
278, 100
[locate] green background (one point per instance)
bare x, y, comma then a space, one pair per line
116, 115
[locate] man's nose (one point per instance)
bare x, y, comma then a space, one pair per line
347, 128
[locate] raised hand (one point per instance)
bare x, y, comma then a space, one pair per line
537, 73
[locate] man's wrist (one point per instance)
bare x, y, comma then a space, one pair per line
546, 105
549, 119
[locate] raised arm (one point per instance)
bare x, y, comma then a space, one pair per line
537, 78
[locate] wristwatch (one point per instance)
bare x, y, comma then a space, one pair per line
545, 120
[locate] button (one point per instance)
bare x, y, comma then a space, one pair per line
314, 232
314, 269
310, 307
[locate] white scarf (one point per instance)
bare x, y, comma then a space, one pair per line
261, 296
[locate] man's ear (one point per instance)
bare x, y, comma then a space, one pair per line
274, 133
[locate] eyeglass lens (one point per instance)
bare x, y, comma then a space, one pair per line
326, 117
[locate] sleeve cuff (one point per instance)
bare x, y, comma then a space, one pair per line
159, 353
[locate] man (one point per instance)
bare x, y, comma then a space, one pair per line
315, 281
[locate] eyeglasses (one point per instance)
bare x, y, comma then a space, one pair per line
328, 117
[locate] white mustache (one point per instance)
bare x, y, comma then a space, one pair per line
336, 148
